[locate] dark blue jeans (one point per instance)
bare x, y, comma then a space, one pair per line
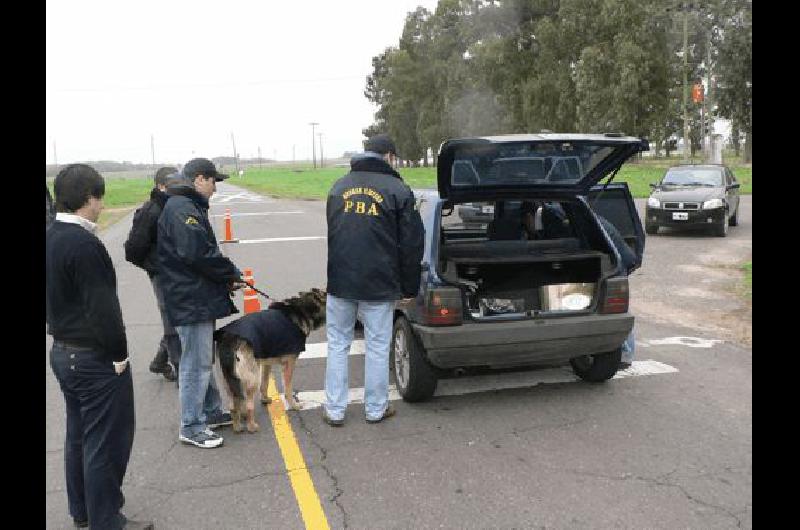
100, 427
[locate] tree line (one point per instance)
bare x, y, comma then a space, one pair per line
482, 67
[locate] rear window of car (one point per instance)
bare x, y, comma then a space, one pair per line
525, 163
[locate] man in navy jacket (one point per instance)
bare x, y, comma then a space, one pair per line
196, 280
375, 246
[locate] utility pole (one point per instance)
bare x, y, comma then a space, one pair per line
293, 153
259, 157
152, 151
314, 143
685, 85
321, 158
55, 158
235, 157
710, 132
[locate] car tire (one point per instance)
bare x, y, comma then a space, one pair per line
414, 377
721, 230
651, 228
597, 368
734, 220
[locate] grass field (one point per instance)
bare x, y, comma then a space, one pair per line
122, 195
314, 184
124, 191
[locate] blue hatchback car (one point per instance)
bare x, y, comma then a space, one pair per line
541, 283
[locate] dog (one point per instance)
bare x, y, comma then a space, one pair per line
249, 346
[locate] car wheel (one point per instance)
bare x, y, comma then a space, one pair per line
650, 228
597, 368
734, 220
721, 230
415, 378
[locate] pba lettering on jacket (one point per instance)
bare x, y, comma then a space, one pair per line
362, 201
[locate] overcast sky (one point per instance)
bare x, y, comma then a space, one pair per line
192, 72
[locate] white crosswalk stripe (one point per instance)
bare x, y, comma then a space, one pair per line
281, 239
250, 214
229, 197
483, 383
319, 350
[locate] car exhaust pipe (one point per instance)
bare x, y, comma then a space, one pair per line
459, 372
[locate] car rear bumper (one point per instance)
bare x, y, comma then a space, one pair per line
695, 217
524, 342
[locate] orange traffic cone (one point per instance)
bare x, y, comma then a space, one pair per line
251, 303
228, 228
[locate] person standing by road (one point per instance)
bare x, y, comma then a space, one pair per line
140, 249
375, 246
89, 356
553, 219
196, 280
628, 258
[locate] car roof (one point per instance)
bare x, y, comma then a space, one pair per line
524, 137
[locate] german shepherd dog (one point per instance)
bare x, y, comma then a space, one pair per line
246, 364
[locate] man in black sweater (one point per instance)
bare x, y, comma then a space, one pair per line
140, 249
90, 352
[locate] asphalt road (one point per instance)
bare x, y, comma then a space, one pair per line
667, 450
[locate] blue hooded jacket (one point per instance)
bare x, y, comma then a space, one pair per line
193, 273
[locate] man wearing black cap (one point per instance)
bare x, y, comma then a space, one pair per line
375, 245
196, 280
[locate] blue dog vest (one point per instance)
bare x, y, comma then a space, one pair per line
269, 332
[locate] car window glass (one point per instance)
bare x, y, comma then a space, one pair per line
693, 177
526, 163
512, 219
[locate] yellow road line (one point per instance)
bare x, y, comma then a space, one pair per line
304, 491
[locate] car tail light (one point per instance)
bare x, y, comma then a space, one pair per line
616, 296
442, 307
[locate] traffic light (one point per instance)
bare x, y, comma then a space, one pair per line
697, 92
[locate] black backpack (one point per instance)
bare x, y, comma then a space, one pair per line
140, 239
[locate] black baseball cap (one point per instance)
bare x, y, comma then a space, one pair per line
202, 166
381, 144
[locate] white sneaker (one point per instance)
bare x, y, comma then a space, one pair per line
205, 440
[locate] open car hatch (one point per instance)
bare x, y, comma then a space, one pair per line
525, 165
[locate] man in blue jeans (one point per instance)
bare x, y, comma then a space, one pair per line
196, 280
90, 353
375, 246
